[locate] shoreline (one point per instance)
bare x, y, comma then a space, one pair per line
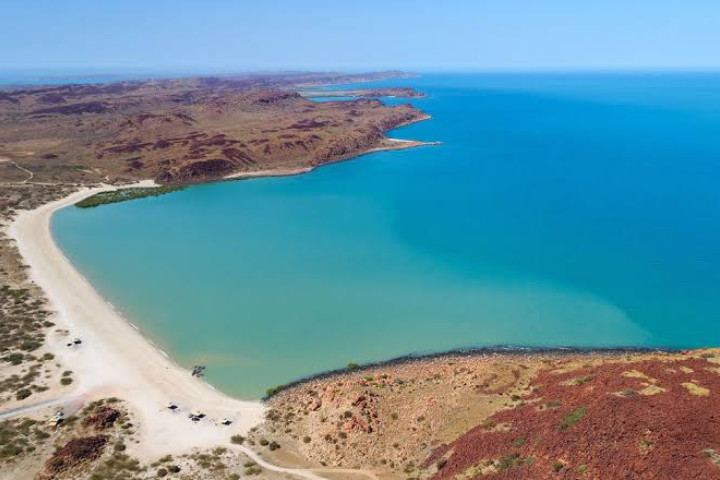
116, 359
388, 144
70, 294
496, 351
394, 144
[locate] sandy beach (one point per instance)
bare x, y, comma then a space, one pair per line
115, 359
392, 144
278, 172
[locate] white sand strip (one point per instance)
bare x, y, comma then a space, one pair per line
115, 359
278, 172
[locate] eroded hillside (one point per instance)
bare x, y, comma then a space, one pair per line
640, 416
188, 130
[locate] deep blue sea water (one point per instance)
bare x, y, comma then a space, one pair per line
561, 210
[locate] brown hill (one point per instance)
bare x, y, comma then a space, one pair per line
187, 130
648, 416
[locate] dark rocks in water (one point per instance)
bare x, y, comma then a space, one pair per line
198, 371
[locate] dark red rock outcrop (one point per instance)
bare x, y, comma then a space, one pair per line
644, 420
102, 418
197, 170
76, 452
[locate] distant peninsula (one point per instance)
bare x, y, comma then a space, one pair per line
191, 130
397, 92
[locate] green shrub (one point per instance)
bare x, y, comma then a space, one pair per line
274, 390
14, 358
573, 418
23, 393
509, 461
123, 195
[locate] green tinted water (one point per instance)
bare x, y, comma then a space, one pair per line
560, 211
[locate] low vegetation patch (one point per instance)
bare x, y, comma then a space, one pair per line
714, 457
274, 390
118, 466
509, 461
22, 333
19, 437
573, 418
124, 195
696, 389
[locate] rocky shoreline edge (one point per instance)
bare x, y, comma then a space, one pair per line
500, 351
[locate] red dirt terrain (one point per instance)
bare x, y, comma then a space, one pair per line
76, 452
188, 130
648, 419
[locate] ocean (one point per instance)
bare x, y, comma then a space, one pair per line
574, 210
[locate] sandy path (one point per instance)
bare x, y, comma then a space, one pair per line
24, 170
302, 473
29, 173
39, 406
311, 474
115, 359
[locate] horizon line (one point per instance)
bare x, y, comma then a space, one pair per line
20, 77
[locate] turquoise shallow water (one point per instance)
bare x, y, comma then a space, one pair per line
562, 210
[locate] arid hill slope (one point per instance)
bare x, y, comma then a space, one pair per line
635, 416
187, 130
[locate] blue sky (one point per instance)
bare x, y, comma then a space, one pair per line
236, 35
